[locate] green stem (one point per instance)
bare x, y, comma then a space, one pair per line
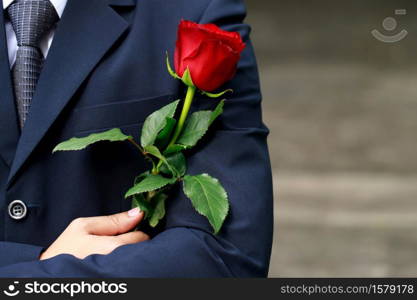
135, 144
184, 114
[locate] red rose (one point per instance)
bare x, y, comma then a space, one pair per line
211, 54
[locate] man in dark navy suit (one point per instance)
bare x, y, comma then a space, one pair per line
78, 67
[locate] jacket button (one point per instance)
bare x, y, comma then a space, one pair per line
17, 210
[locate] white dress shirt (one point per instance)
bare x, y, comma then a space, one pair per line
45, 42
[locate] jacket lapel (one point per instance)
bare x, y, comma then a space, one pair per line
9, 128
85, 33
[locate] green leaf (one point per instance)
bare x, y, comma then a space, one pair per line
217, 112
170, 70
187, 79
142, 176
164, 136
195, 128
159, 209
154, 209
150, 183
140, 202
209, 198
155, 152
174, 149
74, 144
175, 162
211, 95
156, 122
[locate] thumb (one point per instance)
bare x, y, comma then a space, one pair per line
114, 224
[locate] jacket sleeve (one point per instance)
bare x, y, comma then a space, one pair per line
16, 253
236, 153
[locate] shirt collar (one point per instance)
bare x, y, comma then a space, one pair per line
58, 4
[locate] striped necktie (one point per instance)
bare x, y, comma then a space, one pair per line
31, 20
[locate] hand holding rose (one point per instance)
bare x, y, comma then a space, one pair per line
97, 235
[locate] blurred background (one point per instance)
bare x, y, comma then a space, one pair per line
342, 109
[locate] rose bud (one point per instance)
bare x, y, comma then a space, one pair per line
210, 53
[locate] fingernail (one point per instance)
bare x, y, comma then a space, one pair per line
133, 212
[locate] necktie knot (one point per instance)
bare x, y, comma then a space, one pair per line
31, 20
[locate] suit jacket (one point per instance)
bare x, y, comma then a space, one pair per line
106, 69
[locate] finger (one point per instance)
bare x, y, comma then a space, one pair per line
132, 238
106, 244
114, 224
